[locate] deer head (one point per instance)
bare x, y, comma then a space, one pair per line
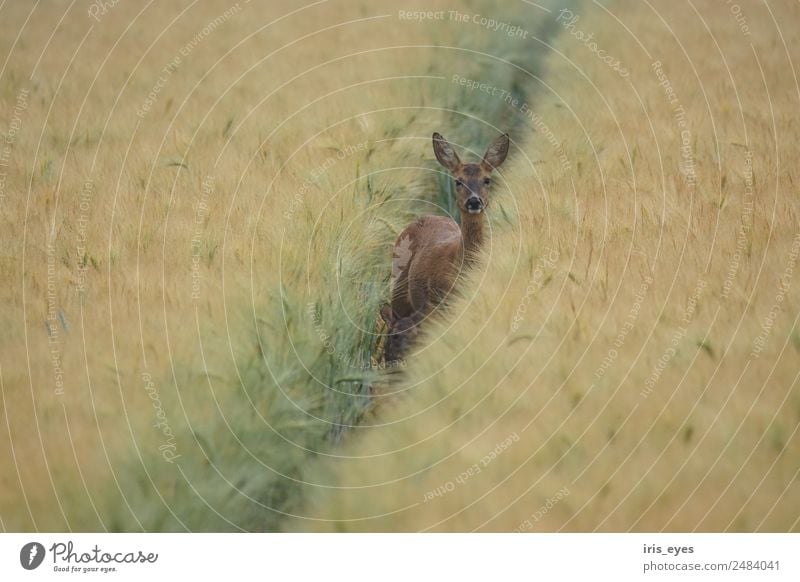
472, 180
401, 333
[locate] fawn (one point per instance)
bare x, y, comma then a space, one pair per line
430, 252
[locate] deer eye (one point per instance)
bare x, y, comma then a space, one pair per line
459, 184
487, 181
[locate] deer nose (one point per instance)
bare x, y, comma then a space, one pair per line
474, 204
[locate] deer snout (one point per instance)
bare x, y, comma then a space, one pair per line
474, 204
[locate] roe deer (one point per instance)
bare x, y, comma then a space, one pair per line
402, 331
430, 252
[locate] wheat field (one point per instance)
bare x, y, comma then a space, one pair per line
198, 203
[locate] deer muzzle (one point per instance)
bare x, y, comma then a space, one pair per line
474, 205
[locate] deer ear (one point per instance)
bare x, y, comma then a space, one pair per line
387, 314
445, 153
497, 152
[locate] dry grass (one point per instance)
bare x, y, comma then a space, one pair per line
589, 438
225, 251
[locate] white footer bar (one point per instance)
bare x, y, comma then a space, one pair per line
389, 557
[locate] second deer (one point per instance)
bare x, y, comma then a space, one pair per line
431, 252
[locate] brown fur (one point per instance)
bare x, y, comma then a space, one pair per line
402, 331
431, 252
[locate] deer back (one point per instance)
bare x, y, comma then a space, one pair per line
424, 257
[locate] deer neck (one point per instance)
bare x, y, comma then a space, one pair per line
471, 234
